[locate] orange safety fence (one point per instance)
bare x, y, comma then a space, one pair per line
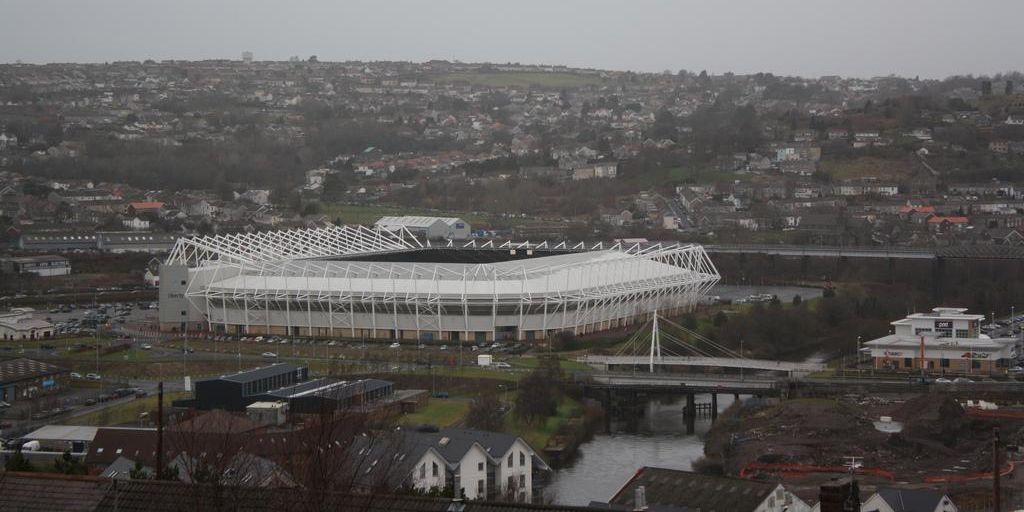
999, 414
980, 475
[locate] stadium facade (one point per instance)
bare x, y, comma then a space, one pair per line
378, 283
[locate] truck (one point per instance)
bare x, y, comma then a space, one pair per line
484, 360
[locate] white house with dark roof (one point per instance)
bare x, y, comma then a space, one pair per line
476, 464
908, 500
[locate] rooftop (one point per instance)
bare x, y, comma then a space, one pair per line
257, 373
21, 369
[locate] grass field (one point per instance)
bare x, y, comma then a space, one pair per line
865, 167
522, 79
440, 412
127, 412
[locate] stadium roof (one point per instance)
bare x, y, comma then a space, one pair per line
249, 248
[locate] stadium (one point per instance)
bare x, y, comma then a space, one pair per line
383, 283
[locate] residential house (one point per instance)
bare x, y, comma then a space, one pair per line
598, 170
477, 464
154, 208
999, 146
888, 499
943, 224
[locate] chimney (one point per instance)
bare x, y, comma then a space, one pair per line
639, 499
840, 495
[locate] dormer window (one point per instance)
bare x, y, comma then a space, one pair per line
509, 460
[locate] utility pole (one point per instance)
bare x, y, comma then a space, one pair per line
996, 495
159, 430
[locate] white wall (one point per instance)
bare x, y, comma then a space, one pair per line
472, 468
522, 469
429, 480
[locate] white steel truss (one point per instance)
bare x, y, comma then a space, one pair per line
286, 280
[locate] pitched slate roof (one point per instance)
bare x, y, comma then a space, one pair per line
46, 492
910, 500
669, 488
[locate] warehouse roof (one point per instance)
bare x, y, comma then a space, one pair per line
63, 433
329, 388
21, 369
258, 373
416, 221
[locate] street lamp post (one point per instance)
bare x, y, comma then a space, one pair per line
741, 357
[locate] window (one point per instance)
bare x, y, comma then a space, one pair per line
522, 481
919, 330
522, 459
183, 283
511, 482
908, 362
975, 364
962, 333
435, 469
944, 363
479, 466
423, 470
479, 488
510, 460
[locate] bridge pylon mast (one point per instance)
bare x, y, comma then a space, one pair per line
655, 342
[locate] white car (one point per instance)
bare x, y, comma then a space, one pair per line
259, 339
502, 366
444, 347
76, 375
93, 376
943, 380
147, 346
395, 345
269, 355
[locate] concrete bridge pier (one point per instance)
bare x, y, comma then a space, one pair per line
691, 413
714, 406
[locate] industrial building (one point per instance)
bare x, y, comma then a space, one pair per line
236, 391
378, 283
944, 340
44, 266
427, 228
21, 324
23, 379
285, 383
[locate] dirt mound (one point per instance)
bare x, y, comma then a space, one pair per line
934, 418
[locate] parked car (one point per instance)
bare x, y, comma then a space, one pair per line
76, 375
395, 345
962, 380
269, 355
943, 380
93, 376
147, 346
4, 405
502, 366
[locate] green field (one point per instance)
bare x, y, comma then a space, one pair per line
127, 412
522, 79
440, 412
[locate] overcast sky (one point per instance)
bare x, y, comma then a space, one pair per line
929, 38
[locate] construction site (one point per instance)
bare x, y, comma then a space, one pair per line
929, 439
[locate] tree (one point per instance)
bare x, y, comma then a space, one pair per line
797, 300
720, 319
537, 397
68, 465
485, 413
18, 462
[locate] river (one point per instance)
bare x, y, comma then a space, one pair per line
656, 439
